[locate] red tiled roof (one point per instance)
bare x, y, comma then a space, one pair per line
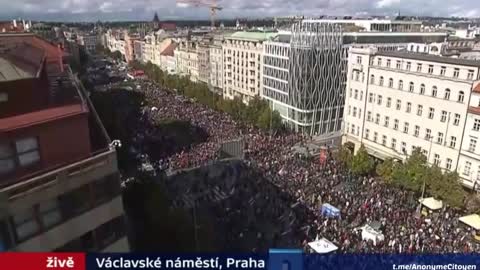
474, 110
476, 89
168, 26
34, 118
169, 49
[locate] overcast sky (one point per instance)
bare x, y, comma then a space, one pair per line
91, 10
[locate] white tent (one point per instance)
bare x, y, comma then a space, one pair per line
431, 203
472, 221
368, 233
323, 246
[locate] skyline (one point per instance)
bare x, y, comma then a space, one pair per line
143, 10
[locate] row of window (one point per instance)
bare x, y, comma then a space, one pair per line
42, 217
467, 170
407, 65
393, 145
411, 88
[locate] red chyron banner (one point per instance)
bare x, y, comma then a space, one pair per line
42, 261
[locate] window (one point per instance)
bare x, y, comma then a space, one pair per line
411, 87
393, 144
389, 62
395, 124
419, 67
355, 96
428, 134
469, 75
387, 121
375, 135
354, 111
443, 118
389, 102
434, 91
422, 89
359, 113
440, 138
409, 66
377, 118
456, 120
417, 131
384, 140
349, 109
431, 113
379, 100
381, 81
430, 69
442, 71
424, 152
449, 164
27, 151
379, 61
369, 116
399, 64
461, 96
372, 79
436, 160
359, 60
405, 127
456, 72
367, 133
361, 95
467, 168
3, 97
447, 94
404, 148
400, 85
370, 98
7, 158
399, 104
357, 76
390, 83
50, 213
419, 110
453, 141
409, 107
25, 224
476, 125
472, 145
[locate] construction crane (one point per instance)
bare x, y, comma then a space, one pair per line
211, 4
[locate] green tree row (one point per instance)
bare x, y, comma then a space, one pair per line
257, 112
413, 174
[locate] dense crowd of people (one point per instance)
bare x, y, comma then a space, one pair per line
305, 184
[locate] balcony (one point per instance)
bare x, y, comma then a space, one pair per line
358, 67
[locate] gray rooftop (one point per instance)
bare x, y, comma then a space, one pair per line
432, 58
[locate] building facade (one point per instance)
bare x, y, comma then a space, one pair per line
204, 60
242, 64
399, 101
216, 64
186, 58
60, 188
89, 42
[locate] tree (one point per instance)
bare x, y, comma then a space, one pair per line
410, 174
362, 163
344, 156
385, 169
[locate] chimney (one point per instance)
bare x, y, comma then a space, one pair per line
23, 25
14, 23
29, 24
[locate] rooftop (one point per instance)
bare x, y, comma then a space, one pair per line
169, 49
21, 62
252, 35
432, 58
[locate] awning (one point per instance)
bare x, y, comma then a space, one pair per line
472, 221
323, 246
431, 203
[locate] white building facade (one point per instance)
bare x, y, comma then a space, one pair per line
242, 64
398, 101
216, 64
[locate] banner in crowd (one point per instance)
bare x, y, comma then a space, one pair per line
275, 260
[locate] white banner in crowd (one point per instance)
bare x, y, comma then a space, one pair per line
322, 246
